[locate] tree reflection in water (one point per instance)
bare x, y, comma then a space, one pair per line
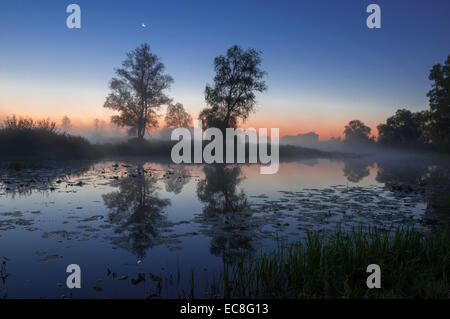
175, 178
428, 179
227, 215
355, 170
423, 179
137, 212
219, 191
402, 172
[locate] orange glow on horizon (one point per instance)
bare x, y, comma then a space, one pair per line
325, 130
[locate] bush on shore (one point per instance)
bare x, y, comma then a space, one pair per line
25, 137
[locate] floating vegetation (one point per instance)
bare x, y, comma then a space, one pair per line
138, 279
156, 212
46, 256
97, 288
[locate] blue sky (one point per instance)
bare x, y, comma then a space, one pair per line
325, 67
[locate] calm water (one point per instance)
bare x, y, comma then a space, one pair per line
119, 218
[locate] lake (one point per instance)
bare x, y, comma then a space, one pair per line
124, 217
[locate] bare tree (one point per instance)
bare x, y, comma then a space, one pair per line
176, 116
138, 91
232, 97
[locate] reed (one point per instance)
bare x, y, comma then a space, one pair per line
413, 265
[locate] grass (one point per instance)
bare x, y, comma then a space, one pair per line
413, 265
333, 266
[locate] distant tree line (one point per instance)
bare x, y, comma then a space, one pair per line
138, 91
405, 128
428, 128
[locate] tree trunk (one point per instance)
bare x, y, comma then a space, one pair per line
141, 129
140, 133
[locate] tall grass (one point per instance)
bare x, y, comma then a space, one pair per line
413, 265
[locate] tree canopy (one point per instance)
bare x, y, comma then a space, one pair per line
439, 98
405, 128
356, 132
66, 123
137, 91
232, 96
176, 116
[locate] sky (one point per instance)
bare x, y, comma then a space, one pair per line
324, 66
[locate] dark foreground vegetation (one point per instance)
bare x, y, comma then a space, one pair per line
27, 141
25, 137
413, 265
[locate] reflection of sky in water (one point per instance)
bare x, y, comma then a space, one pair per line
43, 230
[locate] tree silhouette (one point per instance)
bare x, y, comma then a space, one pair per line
66, 124
439, 97
176, 116
232, 97
356, 132
405, 128
138, 91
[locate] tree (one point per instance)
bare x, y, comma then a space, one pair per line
138, 91
176, 116
96, 125
439, 97
232, 97
66, 124
405, 128
356, 132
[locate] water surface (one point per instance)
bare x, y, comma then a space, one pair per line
119, 218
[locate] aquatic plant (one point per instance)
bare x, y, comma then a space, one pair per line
333, 265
